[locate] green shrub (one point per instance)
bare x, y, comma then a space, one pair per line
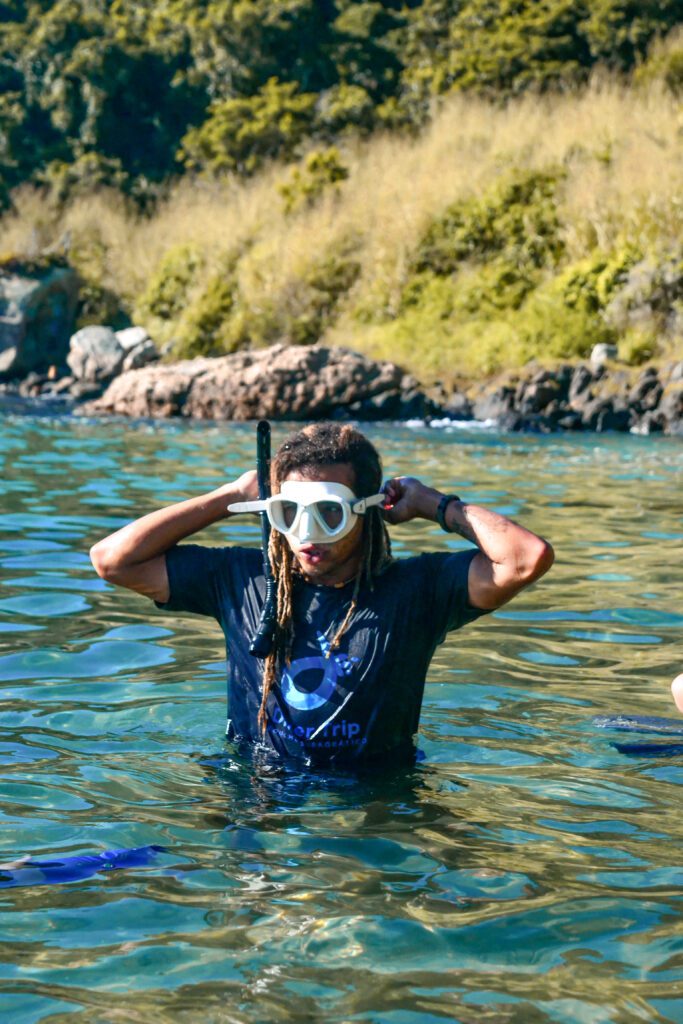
303, 310
649, 301
619, 32
321, 172
345, 109
589, 284
478, 290
517, 217
550, 327
98, 304
513, 45
638, 345
493, 315
565, 316
203, 330
166, 294
87, 174
241, 134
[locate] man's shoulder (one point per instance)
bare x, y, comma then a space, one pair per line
205, 558
207, 580
425, 561
425, 568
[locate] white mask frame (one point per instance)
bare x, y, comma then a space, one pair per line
318, 506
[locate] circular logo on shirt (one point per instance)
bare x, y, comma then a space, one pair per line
296, 678
305, 699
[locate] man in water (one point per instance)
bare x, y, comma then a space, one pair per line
355, 628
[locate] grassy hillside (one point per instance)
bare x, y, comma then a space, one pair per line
500, 234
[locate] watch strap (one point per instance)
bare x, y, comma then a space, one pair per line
441, 510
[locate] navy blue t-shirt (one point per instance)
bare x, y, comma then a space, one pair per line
364, 699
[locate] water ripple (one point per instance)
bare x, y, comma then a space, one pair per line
525, 870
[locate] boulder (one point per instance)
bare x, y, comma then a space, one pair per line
580, 387
647, 391
458, 407
494, 403
37, 310
602, 414
138, 347
603, 353
97, 353
278, 383
131, 338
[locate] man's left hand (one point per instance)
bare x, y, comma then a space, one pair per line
408, 498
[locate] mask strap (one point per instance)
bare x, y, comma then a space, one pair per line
362, 504
249, 506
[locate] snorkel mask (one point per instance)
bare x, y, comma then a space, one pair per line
312, 511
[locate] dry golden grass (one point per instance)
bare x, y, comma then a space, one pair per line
622, 149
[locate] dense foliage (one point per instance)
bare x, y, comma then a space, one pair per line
131, 93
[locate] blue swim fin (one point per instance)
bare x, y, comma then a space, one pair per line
27, 871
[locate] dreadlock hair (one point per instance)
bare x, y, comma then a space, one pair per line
322, 444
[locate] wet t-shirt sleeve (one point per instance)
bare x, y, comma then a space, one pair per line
210, 581
447, 584
194, 579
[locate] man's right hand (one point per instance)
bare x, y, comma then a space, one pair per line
247, 486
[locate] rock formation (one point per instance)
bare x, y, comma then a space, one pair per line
586, 397
36, 318
281, 382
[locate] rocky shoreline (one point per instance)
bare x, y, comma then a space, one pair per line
306, 383
594, 396
99, 371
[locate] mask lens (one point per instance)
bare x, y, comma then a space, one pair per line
331, 513
282, 513
288, 510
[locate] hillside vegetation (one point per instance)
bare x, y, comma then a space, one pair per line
130, 93
450, 185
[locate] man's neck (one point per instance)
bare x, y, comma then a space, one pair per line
339, 577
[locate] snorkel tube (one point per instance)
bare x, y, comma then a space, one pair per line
262, 640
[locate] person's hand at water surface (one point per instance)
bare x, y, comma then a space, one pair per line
677, 692
510, 557
135, 556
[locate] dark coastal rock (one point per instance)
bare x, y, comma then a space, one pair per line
543, 389
494, 403
295, 382
585, 397
36, 319
602, 414
457, 406
646, 393
671, 407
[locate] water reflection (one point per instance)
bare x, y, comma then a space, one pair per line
525, 870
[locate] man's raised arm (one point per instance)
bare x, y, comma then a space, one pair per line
510, 557
135, 556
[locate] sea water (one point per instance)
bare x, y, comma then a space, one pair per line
526, 870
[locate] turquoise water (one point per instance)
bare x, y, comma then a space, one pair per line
525, 871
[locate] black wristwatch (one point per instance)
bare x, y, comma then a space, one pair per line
441, 510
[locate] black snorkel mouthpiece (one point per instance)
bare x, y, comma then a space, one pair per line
262, 642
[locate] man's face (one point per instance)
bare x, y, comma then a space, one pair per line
338, 561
